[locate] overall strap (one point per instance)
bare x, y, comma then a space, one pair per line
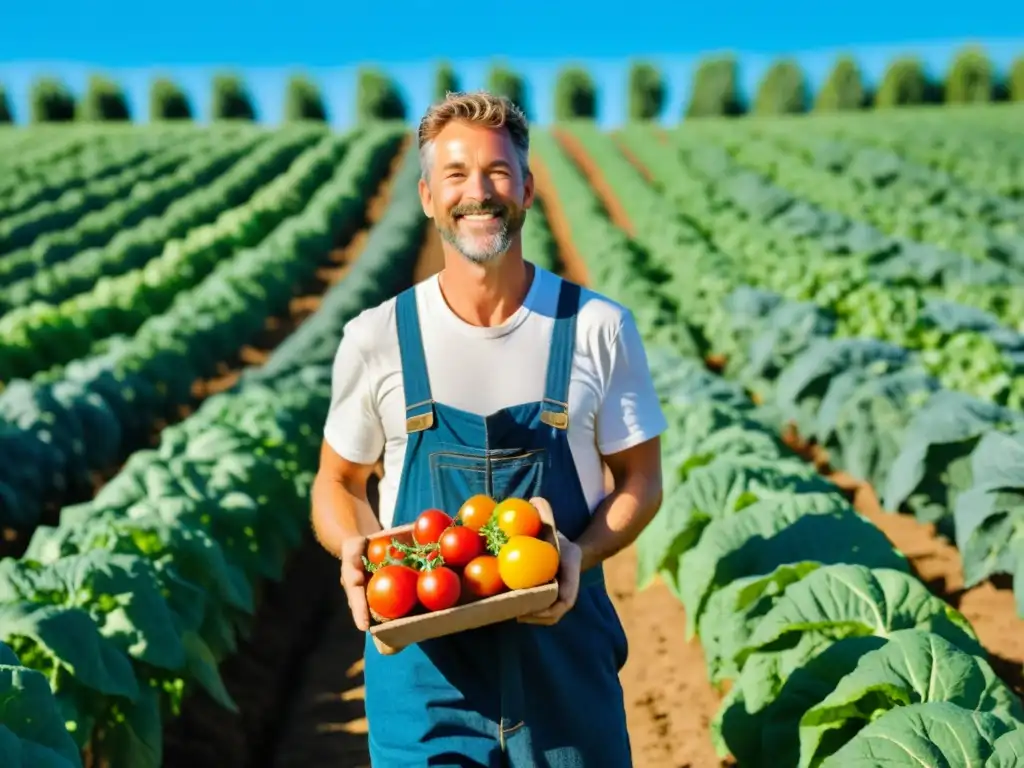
555, 410
419, 405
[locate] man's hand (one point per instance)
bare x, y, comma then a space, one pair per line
570, 561
353, 580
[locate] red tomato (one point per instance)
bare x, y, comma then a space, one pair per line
518, 517
429, 526
377, 551
438, 588
481, 577
391, 592
460, 544
476, 512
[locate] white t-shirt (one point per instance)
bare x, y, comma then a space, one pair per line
612, 401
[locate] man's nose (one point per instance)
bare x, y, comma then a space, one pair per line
479, 187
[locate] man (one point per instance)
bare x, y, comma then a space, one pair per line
493, 376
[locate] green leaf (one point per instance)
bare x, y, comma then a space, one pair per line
935, 733
913, 666
70, 640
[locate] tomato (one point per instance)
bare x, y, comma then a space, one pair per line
438, 588
518, 517
459, 545
377, 551
476, 512
391, 592
480, 577
526, 562
429, 526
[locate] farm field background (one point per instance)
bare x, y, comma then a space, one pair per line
834, 313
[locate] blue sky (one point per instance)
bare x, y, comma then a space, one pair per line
265, 41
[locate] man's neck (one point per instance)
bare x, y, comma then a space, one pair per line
485, 295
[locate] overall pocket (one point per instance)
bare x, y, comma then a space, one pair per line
458, 474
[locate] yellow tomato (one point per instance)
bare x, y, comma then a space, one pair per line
526, 562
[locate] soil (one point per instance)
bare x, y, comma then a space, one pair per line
669, 701
294, 614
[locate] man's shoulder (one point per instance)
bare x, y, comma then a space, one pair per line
601, 315
376, 328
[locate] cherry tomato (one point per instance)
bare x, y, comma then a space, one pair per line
459, 545
377, 551
391, 592
526, 562
438, 588
477, 510
429, 526
480, 577
518, 517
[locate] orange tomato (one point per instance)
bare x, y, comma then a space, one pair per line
476, 511
526, 562
518, 517
480, 577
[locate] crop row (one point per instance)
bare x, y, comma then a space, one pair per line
130, 604
46, 268
22, 228
190, 309
883, 189
836, 654
897, 388
976, 154
171, 252
96, 164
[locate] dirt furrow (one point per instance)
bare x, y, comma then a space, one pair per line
326, 721
262, 677
669, 701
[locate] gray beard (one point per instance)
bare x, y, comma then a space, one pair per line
478, 252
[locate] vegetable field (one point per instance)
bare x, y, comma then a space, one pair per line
834, 314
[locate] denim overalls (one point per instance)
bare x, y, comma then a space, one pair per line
510, 694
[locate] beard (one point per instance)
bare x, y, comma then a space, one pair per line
495, 236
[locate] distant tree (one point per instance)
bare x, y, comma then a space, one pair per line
445, 81
378, 97
646, 97
905, 83
1015, 80
167, 101
51, 101
970, 78
6, 114
230, 99
783, 90
575, 94
502, 81
104, 100
843, 89
303, 100
715, 91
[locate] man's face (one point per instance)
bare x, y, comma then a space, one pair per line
476, 192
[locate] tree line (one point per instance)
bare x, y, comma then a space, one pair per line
783, 89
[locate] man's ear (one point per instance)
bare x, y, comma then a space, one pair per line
528, 190
426, 199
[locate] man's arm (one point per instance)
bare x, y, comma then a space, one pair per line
630, 506
340, 507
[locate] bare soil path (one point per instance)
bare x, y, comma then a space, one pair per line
294, 619
669, 701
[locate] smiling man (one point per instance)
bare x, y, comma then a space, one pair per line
494, 376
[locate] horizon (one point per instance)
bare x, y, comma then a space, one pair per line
131, 44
